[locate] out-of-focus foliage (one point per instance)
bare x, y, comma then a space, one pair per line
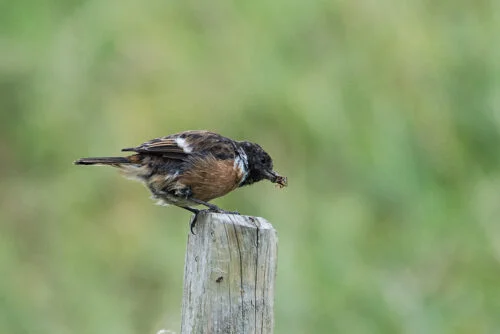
384, 115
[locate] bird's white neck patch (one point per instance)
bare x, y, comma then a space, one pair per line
181, 142
241, 162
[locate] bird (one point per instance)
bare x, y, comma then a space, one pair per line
193, 167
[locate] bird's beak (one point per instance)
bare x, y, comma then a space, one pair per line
274, 177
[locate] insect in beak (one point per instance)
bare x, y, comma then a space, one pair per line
281, 181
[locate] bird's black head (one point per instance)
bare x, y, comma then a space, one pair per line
260, 165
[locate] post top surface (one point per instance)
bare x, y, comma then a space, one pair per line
242, 220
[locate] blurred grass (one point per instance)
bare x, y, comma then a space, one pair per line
385, 116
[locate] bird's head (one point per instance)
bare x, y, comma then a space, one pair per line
260, 166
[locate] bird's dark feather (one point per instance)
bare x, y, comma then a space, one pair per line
199, 142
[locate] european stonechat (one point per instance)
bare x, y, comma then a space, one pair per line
191, 168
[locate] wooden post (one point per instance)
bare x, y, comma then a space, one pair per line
229, 275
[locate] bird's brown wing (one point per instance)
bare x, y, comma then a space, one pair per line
181, 145
165, 146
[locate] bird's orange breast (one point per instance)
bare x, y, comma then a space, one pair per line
210, 178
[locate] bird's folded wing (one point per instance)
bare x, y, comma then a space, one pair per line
181, 145
167, 147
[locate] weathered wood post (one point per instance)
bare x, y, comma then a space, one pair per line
229, 275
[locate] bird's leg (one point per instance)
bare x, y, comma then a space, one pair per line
212, 207
187, 193
193, 210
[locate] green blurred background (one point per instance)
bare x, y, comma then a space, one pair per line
384, 115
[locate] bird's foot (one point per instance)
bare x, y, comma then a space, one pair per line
209, 210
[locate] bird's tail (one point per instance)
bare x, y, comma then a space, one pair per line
112, 161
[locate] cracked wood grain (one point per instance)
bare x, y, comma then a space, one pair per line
229, 275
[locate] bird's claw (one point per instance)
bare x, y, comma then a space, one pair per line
195, 219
